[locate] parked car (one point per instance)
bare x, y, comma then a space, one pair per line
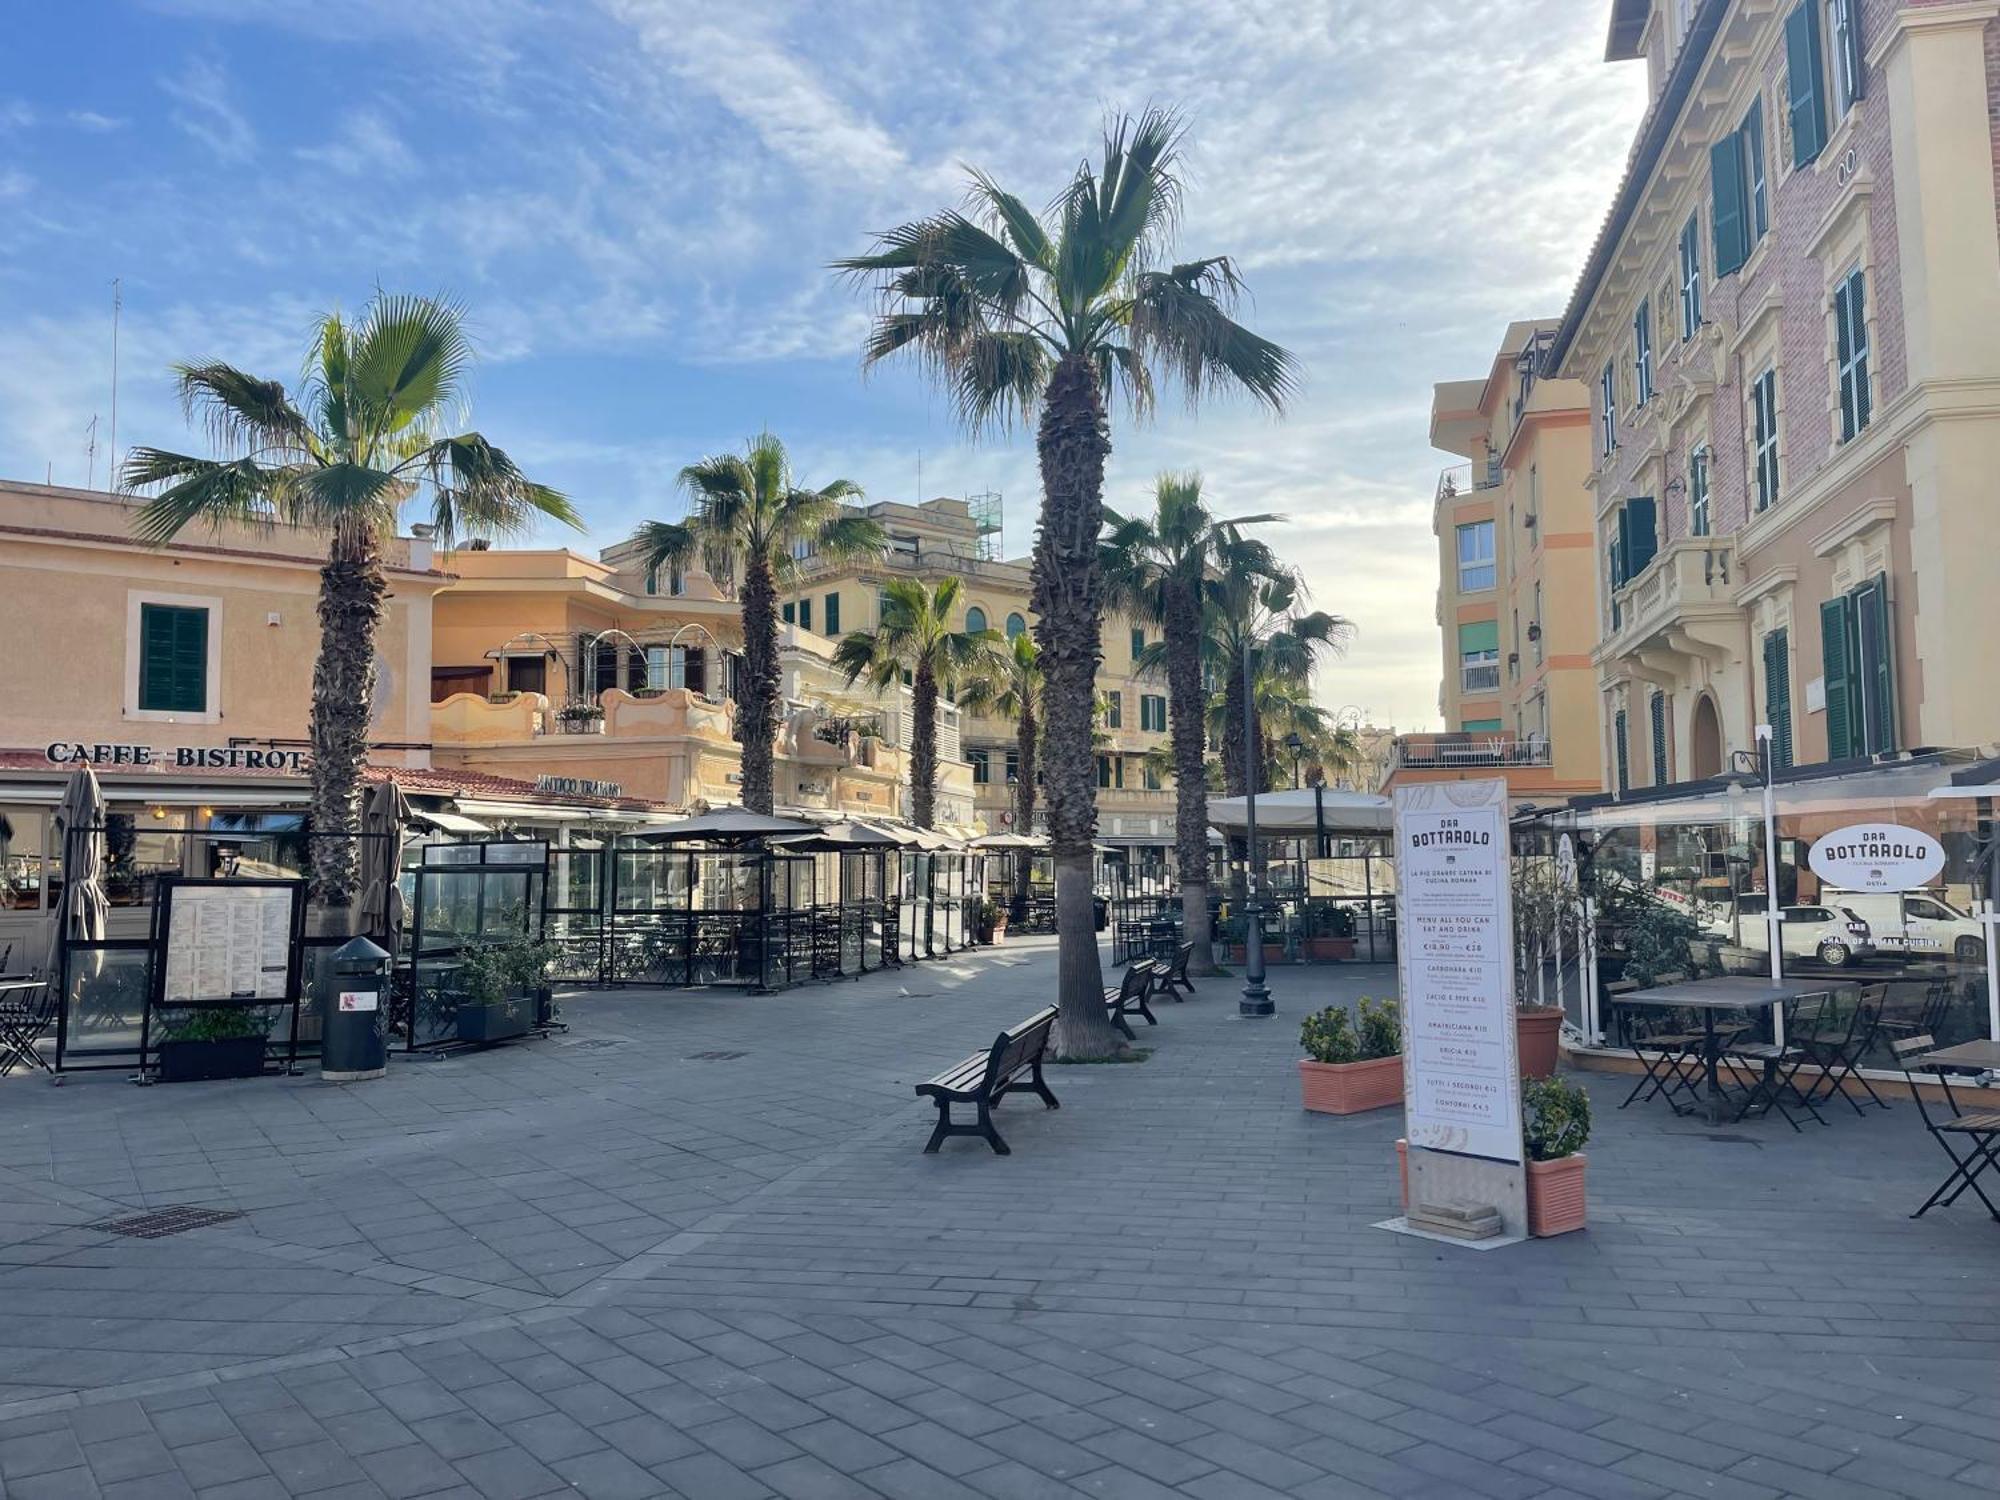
1834, 935
1916, 924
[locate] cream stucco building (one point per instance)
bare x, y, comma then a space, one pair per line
1790, 329
1516, 590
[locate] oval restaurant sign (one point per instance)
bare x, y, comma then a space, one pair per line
1876, 857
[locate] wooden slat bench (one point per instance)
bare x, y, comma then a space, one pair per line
1130, 996
985, 1078
1170, 977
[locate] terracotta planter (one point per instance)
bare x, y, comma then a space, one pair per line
1403, 1170
1326, 949
1351, 1088
1538, 1037
1274, 953
1555, 1196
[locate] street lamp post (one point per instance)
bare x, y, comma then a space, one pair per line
1256, 1001
1297, 746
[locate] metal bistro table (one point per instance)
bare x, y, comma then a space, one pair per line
1728, 992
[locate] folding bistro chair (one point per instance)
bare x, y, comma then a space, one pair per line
1980, 1131
1670, 1052
27, 1014
1838, 1055
1773, 1067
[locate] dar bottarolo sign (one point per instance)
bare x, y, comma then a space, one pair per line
1462, 1090
1876, 857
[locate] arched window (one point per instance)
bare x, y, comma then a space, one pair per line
1015, 626
975, 620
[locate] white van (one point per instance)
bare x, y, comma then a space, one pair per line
1915, 924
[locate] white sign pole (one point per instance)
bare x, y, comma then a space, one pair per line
1461, 1068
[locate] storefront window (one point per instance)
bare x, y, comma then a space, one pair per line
22, 857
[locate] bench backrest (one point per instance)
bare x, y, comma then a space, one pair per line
1137, 975
1181, 956
1018, 1046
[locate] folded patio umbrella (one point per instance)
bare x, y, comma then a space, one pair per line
384, 811
80, 909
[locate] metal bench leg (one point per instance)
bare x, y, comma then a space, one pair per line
1146, 1010
1000, 1147
944, 1127
1041, 1087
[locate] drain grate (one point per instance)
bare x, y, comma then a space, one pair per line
713, 1056
161, 1222
593, 1044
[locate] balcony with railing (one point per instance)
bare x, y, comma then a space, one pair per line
1466, 479
1680, 601
1468, 751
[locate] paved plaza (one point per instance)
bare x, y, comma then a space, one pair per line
692, 1248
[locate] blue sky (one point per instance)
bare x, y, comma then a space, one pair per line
636, 199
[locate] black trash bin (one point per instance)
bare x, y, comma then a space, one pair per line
354, 1035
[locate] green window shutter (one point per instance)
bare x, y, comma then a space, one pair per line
173, 659
1480, 726
1806, 97
790, 613
1620, 742
1658, 727
805, 614
1875, 668
1778, 696
1641, 535
1479, 635
1725, 182
1138, 642
1755, 189
1836, 627
833, 614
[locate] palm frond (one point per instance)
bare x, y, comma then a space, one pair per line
477, 488
217, 491
1024, 232
999, 379
240, 413
665, 544
1180, 320
408, 359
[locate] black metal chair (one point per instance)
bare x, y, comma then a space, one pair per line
1773, 1067
1670, 1052
1837, 1054
1980, 1130
27, 1014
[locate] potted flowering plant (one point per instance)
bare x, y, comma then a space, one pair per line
992, 921
1233, 929
1329, 932
581, 718
502, 990
1555, 1124
1350, 1068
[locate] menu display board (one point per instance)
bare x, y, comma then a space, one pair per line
228, 941
1462, 1074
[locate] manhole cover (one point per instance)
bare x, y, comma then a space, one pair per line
714, 1056
161, 1222
593, 1043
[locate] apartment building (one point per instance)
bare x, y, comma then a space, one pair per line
1789, 328
1516, 581
943, 537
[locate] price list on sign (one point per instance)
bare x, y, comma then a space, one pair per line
1462, 1075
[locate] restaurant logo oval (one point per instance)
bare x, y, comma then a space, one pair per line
1876, 857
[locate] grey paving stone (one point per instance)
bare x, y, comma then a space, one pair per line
408, 1471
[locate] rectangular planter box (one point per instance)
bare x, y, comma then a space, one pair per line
194, 1062
1555, 1196
497, 1022
1325, 949
1274, 953
1351, 1088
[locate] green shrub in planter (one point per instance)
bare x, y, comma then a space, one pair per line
1555, 1118
1381, 1028
1329, 1037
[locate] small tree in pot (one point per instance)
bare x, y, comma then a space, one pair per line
1555, 1125
1348, 1069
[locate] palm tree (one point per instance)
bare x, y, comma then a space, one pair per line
1155, 567
1016, 315
1013, 690
917, 636
749, 517
365, 435
1284, 707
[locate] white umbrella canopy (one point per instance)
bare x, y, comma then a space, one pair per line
1009, 841
80, 910
1294, 812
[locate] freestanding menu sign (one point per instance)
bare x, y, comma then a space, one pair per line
1461, 1069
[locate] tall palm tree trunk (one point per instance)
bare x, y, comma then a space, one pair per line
923, 747
1026, 730
1072, 442
351, 591
1186, 710
757, 707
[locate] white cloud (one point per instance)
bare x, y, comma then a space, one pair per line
365, 146
95, 123
207, 113
15, 183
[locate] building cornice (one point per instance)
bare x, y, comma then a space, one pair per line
1914, 19
1863, 518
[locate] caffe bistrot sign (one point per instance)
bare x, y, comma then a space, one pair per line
1876, 857
177, 757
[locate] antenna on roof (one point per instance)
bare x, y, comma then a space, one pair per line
117, 304
90, 455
